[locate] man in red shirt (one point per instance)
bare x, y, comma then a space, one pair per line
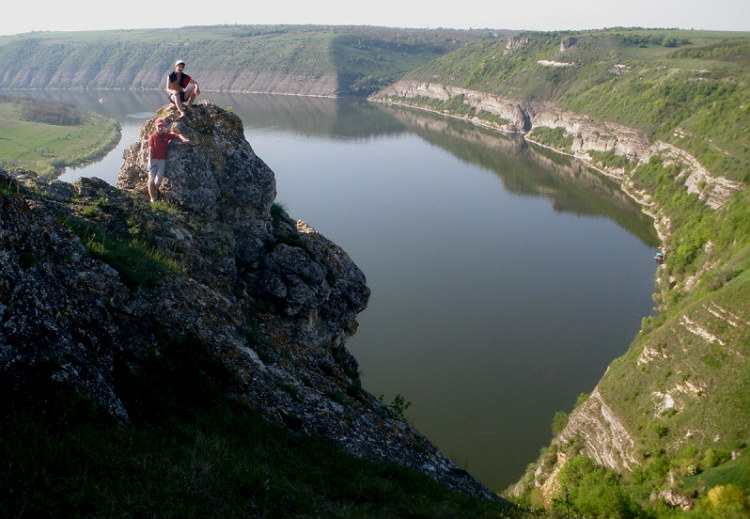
179, 88
157, 156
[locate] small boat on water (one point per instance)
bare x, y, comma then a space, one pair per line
660, 257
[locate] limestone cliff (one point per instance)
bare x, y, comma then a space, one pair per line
519, 116
94, 277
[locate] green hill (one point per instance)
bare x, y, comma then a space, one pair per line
310, 60
678, 86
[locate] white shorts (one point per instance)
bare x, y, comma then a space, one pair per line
158, 166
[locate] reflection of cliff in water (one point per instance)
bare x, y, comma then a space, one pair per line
337, 118
524, 169
116, 104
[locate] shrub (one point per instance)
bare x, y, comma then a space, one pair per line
592, 491
724, 502
559, 421
715, 457
556, 138
51, 112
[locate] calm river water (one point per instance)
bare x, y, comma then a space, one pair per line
504, 279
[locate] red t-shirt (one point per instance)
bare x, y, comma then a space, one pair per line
158, 142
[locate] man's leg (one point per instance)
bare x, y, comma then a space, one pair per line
190, 96
152, 189
178, 103
154, 180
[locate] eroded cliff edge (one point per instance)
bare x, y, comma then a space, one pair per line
94, 278
523, 117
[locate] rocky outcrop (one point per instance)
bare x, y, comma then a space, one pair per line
567, 43
509, 110
516, 42
593, 428
94, 277
590, 135
607, 440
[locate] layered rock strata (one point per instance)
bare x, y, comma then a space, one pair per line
516, 116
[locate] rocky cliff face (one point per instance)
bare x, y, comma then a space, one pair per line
588, 134
108, 65
507, 109
95, 277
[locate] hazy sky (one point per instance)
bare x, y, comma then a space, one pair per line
72, 15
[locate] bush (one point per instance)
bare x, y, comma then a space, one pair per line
559, 421
51, 112
724, 502
556, 138
592, 491
715, 457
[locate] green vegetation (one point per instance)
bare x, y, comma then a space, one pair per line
696, 447
678, 86
696, 97
556, 138
559, 421
690, 89
132, 249
398, 405
610, 160
190, 452
46, 137
701, 235
591, 491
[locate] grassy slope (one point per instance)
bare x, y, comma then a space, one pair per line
45, 148
191, 452
680, 94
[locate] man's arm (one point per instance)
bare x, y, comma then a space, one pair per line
196, 88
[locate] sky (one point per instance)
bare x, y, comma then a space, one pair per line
542, 15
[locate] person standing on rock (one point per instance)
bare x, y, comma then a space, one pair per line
182, 89
157, 156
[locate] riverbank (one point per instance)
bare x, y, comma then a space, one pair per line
37, 137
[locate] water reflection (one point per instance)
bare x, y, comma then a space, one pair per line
504, 278
526, 169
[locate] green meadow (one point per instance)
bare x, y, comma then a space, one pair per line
46, 137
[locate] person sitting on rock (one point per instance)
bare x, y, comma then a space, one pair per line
182, 89
157, 156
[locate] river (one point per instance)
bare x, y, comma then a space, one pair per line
504, 278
